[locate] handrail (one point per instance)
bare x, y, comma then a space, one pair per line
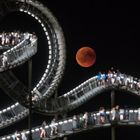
94, 121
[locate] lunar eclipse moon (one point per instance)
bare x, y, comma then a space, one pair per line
86, 57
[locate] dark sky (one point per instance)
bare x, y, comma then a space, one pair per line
110, 28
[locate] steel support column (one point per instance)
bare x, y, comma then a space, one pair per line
113, 132
112, 98
65, 138
30, 98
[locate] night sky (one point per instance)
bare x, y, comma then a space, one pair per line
111, 29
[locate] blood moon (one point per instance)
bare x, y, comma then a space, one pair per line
86, 57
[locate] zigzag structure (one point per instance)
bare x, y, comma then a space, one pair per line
42, 92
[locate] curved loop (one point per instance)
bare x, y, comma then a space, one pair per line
56, 62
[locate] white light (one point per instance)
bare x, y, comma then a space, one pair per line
65, 95
60, 123
33, 130
49, 62
12, 106
44, 75
37, 129
50, 52
48, 37
107, 112
4, 110
46, 70
131, 111
4, 138
70, 120
136, 111
50, 57
8, 137
46, 126
44, 29
34, 89
98, 114
51, 125
8, 108
32, 15
42, 25
36, 17
21, 10
65, 121
39, 21
37, 85
29, 13
49, 42
43, 78
56, 123
16, 104
27, 132
46, 33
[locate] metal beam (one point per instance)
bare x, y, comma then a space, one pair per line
113, 130
112, 98
30, 97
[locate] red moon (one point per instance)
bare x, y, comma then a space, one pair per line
86, 57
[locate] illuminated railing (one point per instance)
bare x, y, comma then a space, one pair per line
82, 94
18, 54
88, 90
49, 81
12, 114
70, 125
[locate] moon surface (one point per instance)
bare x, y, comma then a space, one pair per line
86, 57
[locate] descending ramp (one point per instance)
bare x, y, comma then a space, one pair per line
70, 126
12, 114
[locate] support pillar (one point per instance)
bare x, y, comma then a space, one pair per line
55, 96
65, 138
113, 131
112, 98
30, 98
